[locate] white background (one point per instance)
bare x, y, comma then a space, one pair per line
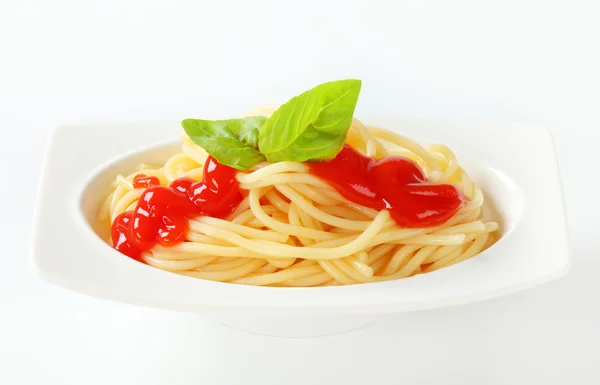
89, 61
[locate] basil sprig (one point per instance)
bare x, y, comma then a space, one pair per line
233, 142
311, 126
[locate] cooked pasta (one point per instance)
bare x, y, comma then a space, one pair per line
292, 228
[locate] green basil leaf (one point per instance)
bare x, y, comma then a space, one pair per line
232, 142
311, 126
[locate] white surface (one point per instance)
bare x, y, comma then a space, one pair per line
523, 185
524, 60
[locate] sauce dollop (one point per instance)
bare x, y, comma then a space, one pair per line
394, 183
162, 212
145, 181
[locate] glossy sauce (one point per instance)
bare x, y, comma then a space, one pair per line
145, 181
394, 183
162, 212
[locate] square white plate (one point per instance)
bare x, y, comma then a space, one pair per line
514, 164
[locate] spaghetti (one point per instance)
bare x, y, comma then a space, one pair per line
294, 229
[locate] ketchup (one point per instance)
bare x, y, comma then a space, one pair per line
394, 183
143, 180
162, 212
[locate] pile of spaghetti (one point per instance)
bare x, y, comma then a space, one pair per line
294, 229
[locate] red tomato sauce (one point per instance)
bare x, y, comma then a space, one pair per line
394, 183
145, 181
162, 212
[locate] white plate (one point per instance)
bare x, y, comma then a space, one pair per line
515, 165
